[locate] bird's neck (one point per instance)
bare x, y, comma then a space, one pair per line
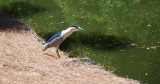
67, 32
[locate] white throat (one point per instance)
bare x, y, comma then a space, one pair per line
67, 32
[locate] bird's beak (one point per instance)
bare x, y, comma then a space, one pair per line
81, 29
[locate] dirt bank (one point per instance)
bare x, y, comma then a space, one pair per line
23, 62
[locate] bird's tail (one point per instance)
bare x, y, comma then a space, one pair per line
44, 47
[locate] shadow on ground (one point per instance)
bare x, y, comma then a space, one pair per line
7, 23
21, 9
98, 41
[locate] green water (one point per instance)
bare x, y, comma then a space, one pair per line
121, 35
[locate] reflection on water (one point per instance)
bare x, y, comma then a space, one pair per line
120, 35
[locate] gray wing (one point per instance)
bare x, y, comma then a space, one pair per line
53, 41
54, 36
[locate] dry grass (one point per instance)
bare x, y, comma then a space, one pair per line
23, 62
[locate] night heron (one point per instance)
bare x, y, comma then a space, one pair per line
59, 37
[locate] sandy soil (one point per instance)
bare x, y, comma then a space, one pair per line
23, 62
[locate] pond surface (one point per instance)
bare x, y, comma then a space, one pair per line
121, 35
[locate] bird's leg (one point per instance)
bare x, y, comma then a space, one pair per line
57, 52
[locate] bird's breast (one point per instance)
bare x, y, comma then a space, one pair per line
65, 34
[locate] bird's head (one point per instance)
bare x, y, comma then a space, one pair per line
77, 28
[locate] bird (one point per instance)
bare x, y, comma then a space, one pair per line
58, 38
